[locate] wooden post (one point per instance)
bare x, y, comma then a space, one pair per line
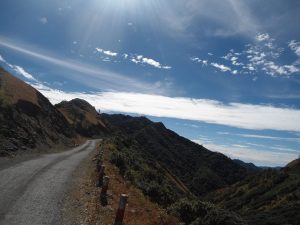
105, 185
99, 164
121, 210
101, 175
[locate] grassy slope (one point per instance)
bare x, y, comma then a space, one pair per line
27, 119
197, 168
83, 117
269, 197
147, 175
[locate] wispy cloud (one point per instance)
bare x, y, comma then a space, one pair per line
2, 59
22, 72
18, 69
221, 67
234, 114
295, 46
239, 19
140, 59
44, 20
94, 76
204, 62
262, 37
137, 59
262, 56
248, 154
256, 136
106, 52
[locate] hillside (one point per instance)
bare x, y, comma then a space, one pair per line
268, 197
27, 119
197, 168
249, 166
82, 117
293, 167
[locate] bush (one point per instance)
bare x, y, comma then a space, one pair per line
195, 212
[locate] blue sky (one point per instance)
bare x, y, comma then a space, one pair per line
225, 74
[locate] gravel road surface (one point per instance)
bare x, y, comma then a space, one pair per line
33, 192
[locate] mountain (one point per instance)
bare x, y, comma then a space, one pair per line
83, 117
196, 168
248, 166
293, 167
267, 197
27, 119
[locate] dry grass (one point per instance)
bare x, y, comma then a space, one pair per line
14, 89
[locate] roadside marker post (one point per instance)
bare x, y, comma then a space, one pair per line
121, 210
101, 175
99, 164
105, 185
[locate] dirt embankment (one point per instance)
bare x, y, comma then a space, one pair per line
85, 203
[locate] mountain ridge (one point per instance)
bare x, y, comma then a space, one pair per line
28, 120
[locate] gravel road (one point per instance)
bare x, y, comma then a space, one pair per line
33, 192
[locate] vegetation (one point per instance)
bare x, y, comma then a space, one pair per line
197, 169
147, 175
195, 212
136, 167
268, 197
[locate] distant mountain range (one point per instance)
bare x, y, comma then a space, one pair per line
173, 171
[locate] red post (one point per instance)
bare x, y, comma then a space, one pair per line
105, 185
121, 210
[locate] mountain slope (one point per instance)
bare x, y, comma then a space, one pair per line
199, 169
27, 118
293, 167
82, 117
268, 197
249, 166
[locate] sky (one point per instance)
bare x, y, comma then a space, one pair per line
223, 73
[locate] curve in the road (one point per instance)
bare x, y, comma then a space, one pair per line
32, 192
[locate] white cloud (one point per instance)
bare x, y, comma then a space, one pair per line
273, 69
259, 157
44, 20
110, 53
239, 115
106, 52
295, 46
197, 60
151, 62
140, 59
268, 137
95, 77
260, 56
234, 58
2, 59
262, 37
221, 67
22, 72
18, 69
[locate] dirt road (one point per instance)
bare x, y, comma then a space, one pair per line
33, 192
